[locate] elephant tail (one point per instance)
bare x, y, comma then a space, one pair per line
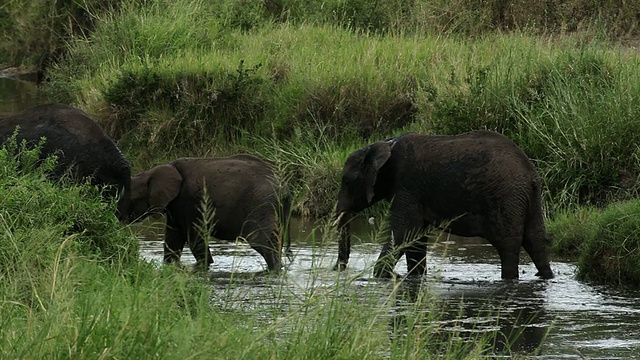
535, 223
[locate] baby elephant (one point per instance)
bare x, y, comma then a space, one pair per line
244, 199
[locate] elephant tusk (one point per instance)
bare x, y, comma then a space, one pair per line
339, 218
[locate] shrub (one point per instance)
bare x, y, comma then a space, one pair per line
606, 242
42, 219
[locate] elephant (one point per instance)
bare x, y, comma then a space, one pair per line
243, 192
478, 183
83, 149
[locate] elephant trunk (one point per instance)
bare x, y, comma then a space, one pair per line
343, 222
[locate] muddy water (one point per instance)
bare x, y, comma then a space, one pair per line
562, 318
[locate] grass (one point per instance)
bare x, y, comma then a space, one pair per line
604, 241
196, 88
35, 33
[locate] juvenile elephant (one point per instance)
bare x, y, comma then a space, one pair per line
246, 200
79, 142
476, 184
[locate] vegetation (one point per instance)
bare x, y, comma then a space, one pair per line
605, 242
180, 82
35, 32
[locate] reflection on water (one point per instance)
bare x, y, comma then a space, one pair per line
16, 95
562, 318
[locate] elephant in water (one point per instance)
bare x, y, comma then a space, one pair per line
244, 196
79, 142
474, 184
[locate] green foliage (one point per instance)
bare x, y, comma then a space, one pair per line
35, 32
200, 106
566, 103
570, 230
606, 242
31, 204
613, 255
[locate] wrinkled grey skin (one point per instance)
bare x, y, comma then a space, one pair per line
477, 184
241, 189
80, 144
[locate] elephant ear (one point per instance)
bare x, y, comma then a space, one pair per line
377, 155
164, 186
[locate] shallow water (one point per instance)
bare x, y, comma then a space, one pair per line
563, 318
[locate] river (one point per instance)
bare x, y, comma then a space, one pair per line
563, 318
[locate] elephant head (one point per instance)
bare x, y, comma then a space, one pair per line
153, 190
364, 182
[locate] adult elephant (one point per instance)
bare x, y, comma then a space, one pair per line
83, 149
243, 195
474, 184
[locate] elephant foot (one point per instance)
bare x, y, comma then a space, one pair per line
546, 274
340, 266
201, 266
384, 272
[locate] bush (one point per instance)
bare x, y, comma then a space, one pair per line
606, 242
613, 255
45, 222
178, 83
35, 32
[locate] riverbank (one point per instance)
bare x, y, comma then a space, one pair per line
170, 84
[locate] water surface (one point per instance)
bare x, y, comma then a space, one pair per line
16, 95
563, 318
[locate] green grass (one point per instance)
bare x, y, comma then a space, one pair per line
36, 32
606, 242
178, 83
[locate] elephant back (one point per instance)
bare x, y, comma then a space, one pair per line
75, 138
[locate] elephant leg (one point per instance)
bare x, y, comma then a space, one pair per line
509, 260
416, 255
508, 243
388, 258
200, 251
271, 257
266, 242
174, 242
504, 229
405, 224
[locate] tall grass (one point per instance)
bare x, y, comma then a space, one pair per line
34, 33
179, 83
604, 241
